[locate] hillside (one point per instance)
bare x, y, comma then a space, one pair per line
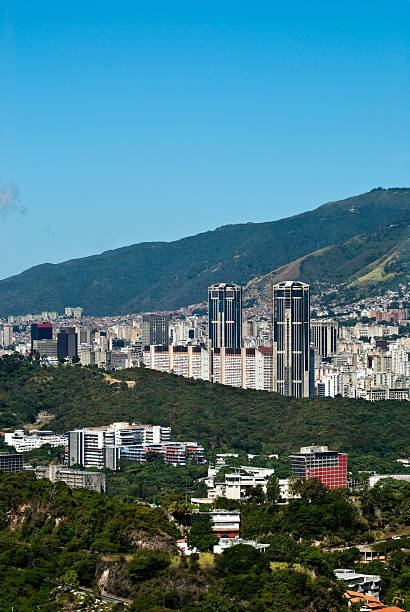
366, 262
217, 416
167, 275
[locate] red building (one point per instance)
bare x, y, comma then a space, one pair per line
330, 467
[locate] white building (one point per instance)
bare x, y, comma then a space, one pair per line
25, 441
237, 485
100, 446
362, 583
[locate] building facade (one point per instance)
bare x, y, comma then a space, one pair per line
155, 330
291, 339
225, 316
76, 479
323, 334
41, 331
11, 463
330, 467
67, 343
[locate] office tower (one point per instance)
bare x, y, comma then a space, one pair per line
324, 337
291, 339
41, 331
67, 343
6, 335
84, 335
68, 311
45, 348
330, 467
225, 316
155, 330
78, 312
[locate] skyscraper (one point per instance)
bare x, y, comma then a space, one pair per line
67, 342
291, 339
324, 336
225, 315
41, 331
155, 330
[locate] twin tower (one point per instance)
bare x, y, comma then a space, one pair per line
292, 357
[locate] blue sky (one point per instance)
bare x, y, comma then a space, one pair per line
123, 122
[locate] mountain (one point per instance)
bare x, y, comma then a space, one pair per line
365, 263
167, 275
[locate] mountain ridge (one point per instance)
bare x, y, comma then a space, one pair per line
168, 275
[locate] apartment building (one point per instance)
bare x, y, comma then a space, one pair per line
100, 446
76, 479
330, 467
25, 441
225, 523
173, 453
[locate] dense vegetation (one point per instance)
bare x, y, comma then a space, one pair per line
47, 530
154, 480
220, 417
159, 275
49, 534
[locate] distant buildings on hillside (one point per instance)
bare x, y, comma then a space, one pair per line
276, 347
104, 447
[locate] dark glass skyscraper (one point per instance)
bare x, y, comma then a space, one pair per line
67, 342
291, 338
41, 331
225, 315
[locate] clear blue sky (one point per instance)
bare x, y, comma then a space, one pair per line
123, 122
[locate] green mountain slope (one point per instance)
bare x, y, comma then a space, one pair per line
371, 261
161, 275
218, 416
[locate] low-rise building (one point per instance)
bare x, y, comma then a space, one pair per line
225, 543
76, 479
363, 583
225, 523
376, 477
237, 485
25, 441
11, 462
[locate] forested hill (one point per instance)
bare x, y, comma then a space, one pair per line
167, 275
217, 416
367, 263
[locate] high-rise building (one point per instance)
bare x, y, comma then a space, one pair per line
101, 446
6, 335
324, 336
291, 339
330, 467
45, 348
225, 316
67, 343
41, 331
155, 330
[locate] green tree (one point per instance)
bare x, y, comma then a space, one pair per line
241, 559
201, 535
272, 489
147, 563
70, 577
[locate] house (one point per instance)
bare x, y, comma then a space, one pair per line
369, 603
363, 583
